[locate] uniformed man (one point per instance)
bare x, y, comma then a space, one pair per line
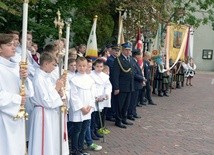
123, 84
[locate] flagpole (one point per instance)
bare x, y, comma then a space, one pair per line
120, 9
191, 42
167, 46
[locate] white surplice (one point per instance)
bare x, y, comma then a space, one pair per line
82, 90
55, 76
47, 102
32, 66
103, 88
70, 76
12, 132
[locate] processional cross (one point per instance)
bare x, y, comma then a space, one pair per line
59, 23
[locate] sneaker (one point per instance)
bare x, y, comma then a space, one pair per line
106, 131
103, 131
95, 147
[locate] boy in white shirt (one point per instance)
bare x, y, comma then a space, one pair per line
45, 128
103, 90
71, 73
82, 103
12, 141
72, 67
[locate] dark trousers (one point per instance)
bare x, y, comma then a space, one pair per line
141, 96
160, 86
155, 83
111, 112
133, 103
88, 138
78, 135
103, 117
122, 106
147, 90
94, 121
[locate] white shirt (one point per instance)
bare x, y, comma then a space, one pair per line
12, 141
103, 88
81, 95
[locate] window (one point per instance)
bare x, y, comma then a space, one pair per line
207, 54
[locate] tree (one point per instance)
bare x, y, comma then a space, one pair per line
147, 13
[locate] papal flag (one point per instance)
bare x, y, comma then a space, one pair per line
176, 42
91, 49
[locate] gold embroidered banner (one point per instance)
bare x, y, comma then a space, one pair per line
176, 38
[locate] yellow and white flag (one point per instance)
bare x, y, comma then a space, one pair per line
91, 49
176, 41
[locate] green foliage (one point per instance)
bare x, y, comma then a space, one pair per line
147, 13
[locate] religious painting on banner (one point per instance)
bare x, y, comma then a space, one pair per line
176, 38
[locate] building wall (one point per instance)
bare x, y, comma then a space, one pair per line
203, 39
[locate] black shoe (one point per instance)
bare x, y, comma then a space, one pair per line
144, 99
127, 123
136, 116
75, 153
120, 125
143, 104
160, 94
83, 153
98, 135
131, 118
165, 94
138, 105
94, 137
178, 86
152, 103
112, 119
153, 92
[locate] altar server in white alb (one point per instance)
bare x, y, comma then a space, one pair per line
44, 128
103, 85
55, 75
82, 103
12, 132
103, 88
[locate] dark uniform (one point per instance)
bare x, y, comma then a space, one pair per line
147, 74
138, 85
123, 80
110, 63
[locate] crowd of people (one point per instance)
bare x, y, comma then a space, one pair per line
110, 87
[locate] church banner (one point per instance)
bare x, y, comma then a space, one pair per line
176, 38
176, 41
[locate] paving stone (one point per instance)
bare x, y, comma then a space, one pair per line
182, 124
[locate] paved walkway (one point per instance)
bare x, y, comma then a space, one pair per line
182, 124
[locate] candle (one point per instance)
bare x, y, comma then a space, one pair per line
67, 43
24, 30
